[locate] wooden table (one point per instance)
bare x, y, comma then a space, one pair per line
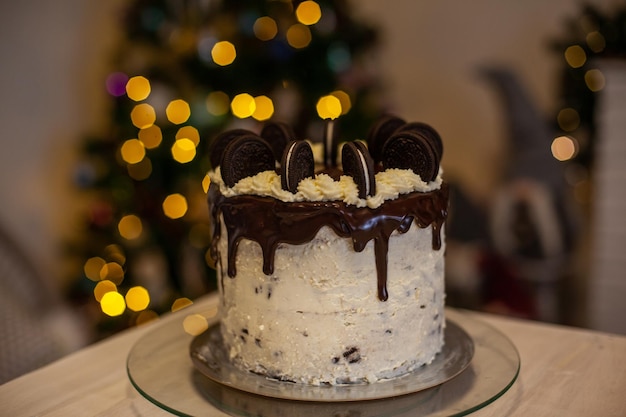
564, 371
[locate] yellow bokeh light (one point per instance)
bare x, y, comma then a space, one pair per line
175, 206
183, 150
217, 103
595, 80
132, 151
141, 170
206, 182
143, 115
130, 227
112, 271
189, 132
243, 105
596, 41
137, 298
575, 56
223, 53
328, 107
265, 28
563, 148
178, 111
102, 288
138, 88
568, 119
112, 304
308, 13
299, 36
92, 268
264, 108
195, 324
344, 99
146, 316
114, 253
151, 136
181, 303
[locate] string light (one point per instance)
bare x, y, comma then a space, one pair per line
133, 151
143, 115
112, 271
223, 53
146, 316
568, 119
195, 324
564, 148
308, 13
344, 100
243, 105
594, 79
264, 108
102, 288
141, 170
328, 107
265, 28
596, 41
151, 136
92, 268
138, 88
115, 254
217, 103
575, 56
137, 298
183, 150
206, 181
112, 304
181, 303
189, 132
299, 36
130, 227
175, 206
178, 111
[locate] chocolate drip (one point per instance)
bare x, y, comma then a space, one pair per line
270, 222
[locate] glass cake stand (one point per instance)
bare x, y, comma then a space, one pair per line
161, 369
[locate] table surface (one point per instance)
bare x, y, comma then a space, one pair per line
564, 371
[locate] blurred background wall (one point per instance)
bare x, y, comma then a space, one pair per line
56, 55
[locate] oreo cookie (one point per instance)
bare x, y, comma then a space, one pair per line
410, 150
358, 163
297, 164
427, 131
380, 131
221, 141
277, 134
246, 156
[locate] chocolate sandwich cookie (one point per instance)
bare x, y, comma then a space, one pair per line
246, 156
358, 163
427, 131
380, 131
409, 150
297, 164
277, 134
221, 141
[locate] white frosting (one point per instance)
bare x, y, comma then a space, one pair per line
390, 184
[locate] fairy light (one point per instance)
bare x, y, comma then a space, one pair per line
344, 100
217, 103
137, 298
114, 253
206, 181
596, 41
308, 13
265, 28
195, 324
151, 136
568, 119
264, 108
575, 56
112, 271
181, 303
175, 206
178, 111
141, 170
183, 150
594, 79
143, 115
328, 107
564, 148
223, 53
189, 132
133, 151
243, 105
102, 288
130, 227
92, 268
138, 88
113, 304
146, 316
299, 36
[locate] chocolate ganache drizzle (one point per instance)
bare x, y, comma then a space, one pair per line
270, 222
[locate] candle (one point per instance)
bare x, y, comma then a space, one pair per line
330, 153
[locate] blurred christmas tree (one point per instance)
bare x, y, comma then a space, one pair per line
186, 71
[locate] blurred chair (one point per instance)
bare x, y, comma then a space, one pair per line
36, 327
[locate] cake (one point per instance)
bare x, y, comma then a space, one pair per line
329, 273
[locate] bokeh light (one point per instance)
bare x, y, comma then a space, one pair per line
112, 304
116, 84
189, 132
178, 111
328, 107
308, 12
265, 28
141, 170
217, 103
146, 316
264, 108
568, 119
223, 53
114, 253
102, 288
138, 88
137, 298
175, 206
183, 150
575, 56
130, 227
206, 182
564, 148
143, 115
133, 151
92, 268
113, 272
181, 303
344, 100
594, 79
195, 324
243, 105
151, 136
298, 36
596, 41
